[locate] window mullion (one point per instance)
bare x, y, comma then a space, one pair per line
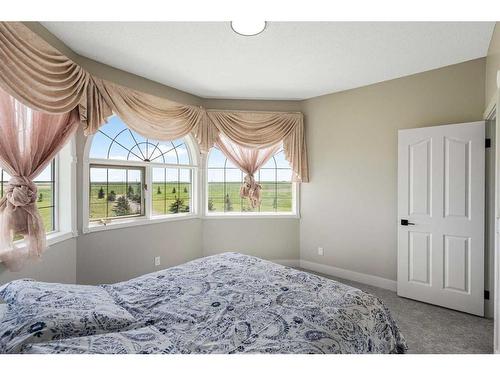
148, 196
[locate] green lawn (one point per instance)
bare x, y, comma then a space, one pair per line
275, 197
163, 194
44, 203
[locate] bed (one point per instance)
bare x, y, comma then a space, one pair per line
226, 303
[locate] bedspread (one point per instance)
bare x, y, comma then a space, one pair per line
226, 303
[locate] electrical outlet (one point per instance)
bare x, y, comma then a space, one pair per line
321, 251
157, 261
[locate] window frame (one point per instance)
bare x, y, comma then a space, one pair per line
142, 169
148, 217
294, 214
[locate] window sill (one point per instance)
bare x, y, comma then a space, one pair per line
56, 237
53, 238
238, 215
124, 223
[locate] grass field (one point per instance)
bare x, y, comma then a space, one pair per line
275, 198
44, 204
163, 195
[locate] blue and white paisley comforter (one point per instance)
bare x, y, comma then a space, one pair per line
227, 303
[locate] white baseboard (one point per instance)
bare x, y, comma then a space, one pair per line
287, 262
350, 275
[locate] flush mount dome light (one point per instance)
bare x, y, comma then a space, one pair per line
248, 28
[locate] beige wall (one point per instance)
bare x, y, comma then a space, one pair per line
276, 239
58, 264
492, 65
349, 207
120, 254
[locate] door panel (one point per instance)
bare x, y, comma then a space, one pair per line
441, 192
456, 263
420, 178
420, 257
457, 175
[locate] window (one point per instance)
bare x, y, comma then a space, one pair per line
46, 200
131, 176
224, 181
116, 192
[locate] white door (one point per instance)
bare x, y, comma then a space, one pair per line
441, 215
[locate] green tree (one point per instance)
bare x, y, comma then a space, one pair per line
159, 190
275, 203
136, 198
185, 190
178, 206
228, 206
174, 191
122, 206
211, 205
130, 192
100, 194
112, 196
40, 197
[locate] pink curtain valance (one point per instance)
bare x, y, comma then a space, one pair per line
42, 78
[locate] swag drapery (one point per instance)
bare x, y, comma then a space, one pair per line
42, 78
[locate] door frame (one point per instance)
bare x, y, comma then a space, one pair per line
490, 114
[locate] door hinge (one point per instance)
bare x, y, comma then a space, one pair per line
487, 142
486, 294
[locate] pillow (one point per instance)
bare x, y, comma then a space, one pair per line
146, 340
39, 312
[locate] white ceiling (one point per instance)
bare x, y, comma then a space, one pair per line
289, 60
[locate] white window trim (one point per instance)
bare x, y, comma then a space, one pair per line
147, 218
294, 214
66, 206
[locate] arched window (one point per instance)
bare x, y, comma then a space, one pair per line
224, 180
133, 176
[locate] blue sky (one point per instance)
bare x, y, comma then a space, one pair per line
140, 149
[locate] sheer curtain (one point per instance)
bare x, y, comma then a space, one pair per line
249, 160
28, 143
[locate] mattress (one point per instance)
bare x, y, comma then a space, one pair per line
226, 303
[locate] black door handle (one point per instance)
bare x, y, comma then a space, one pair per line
405, 222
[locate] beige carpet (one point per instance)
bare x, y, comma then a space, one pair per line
432, 329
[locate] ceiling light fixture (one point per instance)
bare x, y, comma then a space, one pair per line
248, 28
